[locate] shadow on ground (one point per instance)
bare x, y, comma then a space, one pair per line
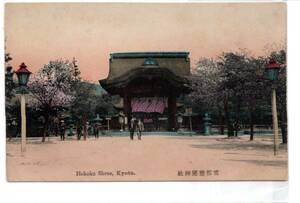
39, 141
242, 146
276, 163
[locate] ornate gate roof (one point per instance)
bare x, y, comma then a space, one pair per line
172, 67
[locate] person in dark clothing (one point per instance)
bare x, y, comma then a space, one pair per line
96, 130
132, 128
56, 126
140, 128
236, 127
62, 130
79, 131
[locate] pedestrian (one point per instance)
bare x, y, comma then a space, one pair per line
56, 126
62, 130
96, 130
236, 127
140, 128
132, 128
121, 121
79, 130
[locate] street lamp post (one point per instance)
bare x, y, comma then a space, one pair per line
23, 76
271, 71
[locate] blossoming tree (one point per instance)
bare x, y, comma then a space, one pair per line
50, 88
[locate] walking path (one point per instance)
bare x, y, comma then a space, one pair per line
154, 158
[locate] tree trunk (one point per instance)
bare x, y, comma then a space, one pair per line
251, 125
82, 127
9, 133
221, 117
46, 124
283, 127
84, 132
237, 119
227, 120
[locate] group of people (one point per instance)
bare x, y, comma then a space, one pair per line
79, 130
136, 125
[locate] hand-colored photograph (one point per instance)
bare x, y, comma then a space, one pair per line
146, 91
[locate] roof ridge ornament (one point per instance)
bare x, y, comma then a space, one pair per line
150, 62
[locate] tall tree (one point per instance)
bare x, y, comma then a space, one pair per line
232, 85
205, 80
10, 102
50, 88
9, 83
254, 88
206, 96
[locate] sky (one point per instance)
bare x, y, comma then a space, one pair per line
39, 32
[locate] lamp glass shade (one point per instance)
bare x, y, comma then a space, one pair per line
272, 73
23, 78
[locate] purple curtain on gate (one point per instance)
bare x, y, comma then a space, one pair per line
149, 104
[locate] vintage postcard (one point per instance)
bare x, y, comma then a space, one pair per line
146, 91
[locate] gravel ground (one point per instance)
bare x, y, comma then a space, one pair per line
154, 158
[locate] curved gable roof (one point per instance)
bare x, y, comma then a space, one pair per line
121, 63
